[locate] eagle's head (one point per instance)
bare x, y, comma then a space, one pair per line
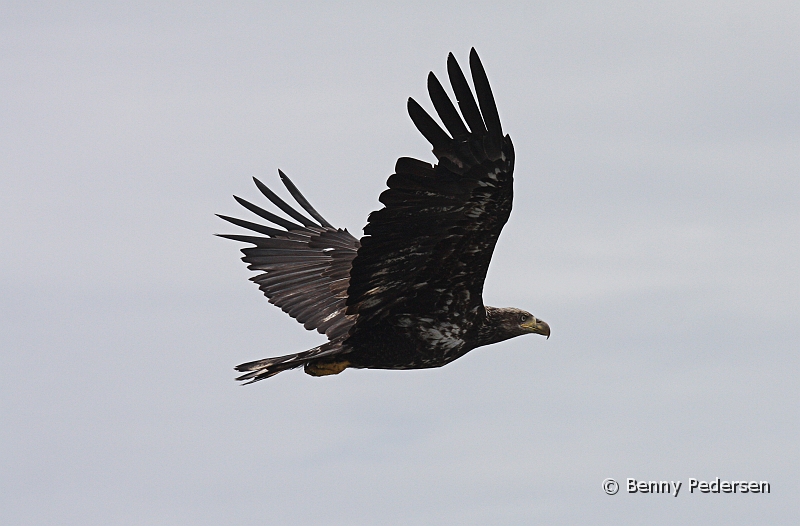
504, 323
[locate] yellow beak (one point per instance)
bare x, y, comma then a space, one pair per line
537, 326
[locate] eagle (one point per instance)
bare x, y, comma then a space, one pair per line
409, 293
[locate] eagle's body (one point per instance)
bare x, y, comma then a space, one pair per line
408, 295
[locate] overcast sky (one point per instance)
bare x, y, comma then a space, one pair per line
655, 228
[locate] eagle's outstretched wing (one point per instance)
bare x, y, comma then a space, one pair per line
428, 250
306, 267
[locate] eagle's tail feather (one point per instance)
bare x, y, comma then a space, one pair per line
268, 367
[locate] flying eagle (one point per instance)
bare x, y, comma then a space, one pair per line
407, 295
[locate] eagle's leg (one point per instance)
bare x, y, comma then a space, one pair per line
325, 368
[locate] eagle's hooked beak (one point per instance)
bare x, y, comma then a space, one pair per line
537, 326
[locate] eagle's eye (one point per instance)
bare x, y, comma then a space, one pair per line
523, 318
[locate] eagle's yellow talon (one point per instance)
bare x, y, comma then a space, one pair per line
325, 369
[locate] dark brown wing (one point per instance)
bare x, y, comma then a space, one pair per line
306, 267
428, 250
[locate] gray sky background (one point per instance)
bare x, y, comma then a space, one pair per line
655, 228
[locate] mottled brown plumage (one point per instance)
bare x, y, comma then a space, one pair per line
408, 295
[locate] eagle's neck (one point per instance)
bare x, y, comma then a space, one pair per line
494, 328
